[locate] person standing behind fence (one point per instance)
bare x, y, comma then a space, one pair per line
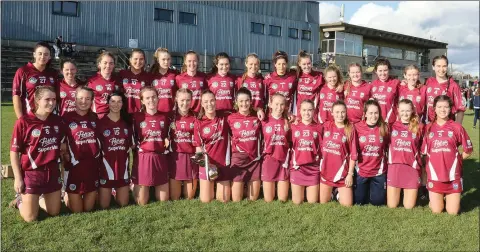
27, 78
253, 81
103, 83
222, 83
163, 80
57, 45
192, 79
67, 87
134, 79
476, 106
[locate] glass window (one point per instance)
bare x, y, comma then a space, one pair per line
340, 35
163, 15
306, 35
371, 50
394, 53
410, 55
265, 66
340, 46
67, 8
349, 47
177, 61
292, 33
257, 28
275, 30
331, 46
357, 49
187, 18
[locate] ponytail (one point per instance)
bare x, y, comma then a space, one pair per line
301, 55
244, 75
414, 120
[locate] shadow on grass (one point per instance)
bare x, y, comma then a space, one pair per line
471, 185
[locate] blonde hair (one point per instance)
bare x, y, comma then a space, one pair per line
156, 66
184, 66
335, 69
413, 121
103, 54
349, 81
38, 95
410, 67
250, 55
348, 126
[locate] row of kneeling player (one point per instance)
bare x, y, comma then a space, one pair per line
368, 161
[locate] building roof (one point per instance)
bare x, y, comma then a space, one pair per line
385, 35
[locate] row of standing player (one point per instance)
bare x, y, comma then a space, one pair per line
106, 66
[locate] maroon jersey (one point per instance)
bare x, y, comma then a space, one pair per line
355, 98
337, 150
327, 98
416, 95
37, 141
213, 136
306, 141
81, 136
102, 88
181, 133
435, 89
166, 89
246, 134
285, 85
224, 89
26, 81
405, 145
67, 96
196, 84
387, 95
115, 142
372, 146
150, 131
131, 85
276, 134
256, 87
440, 144
309, 85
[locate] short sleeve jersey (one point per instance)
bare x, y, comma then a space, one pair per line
308, 88
256, 87
181, 133
435, 89
246, 134
131, 85
213, 136
150, 132
224, 89
102, 88
166, 89
355, 98
417, 96
67, 96
387, 95
37, 141
81, 136
196, 84
276, 135
404, 147
372, 148
326, 99
285, 85
306, 141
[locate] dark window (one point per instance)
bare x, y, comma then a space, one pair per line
67, 8
187, 18
292, 33
306, 35
163, 15
177, 61
265, 66
275, 30
258, 28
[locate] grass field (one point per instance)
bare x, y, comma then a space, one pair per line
246, 226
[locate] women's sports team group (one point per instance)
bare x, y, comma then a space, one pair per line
300, 132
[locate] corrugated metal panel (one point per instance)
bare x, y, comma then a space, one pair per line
113, 23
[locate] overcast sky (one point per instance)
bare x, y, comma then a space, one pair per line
456, 23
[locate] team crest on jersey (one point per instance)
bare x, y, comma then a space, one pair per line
327, 133
36, 133
126, 131
231, 84
63, 94
201, 83
206, 130
125, 81
72, 125
344, 139
162, 124
430, 184
455, 186
431, 135
215, 84
414, 135
429, 89
268, 129
143, 125
103, 181
51, 80
450, 133
184, 85
274, 86
72, 187
469, 143
362, 95
155, 83
192, 125
245, 85
315, 134
93, 124
237, 125
394, 133
419, 98
290, 85
172, 125
389, 89
374, 89
172, 82
99, 88
363, 139
32, 80
322, 96
142, 83
106, 133
55, 127
297, 133
381, 139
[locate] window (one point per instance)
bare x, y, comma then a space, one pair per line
391, 53
292, 33
163, 15
348, 44
371, 50
69, 8
265, 66
187, 18
177, 61
411, 55
275, 30
306, 35
258, 28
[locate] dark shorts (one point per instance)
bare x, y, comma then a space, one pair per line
181, 167
83, 177
306, 175
244, 169
43, 180
455, 186
150, 169
403, 176
273, 171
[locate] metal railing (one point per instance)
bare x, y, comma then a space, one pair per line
123, 57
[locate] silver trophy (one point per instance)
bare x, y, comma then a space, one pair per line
202, 159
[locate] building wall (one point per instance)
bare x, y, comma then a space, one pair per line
218, 28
